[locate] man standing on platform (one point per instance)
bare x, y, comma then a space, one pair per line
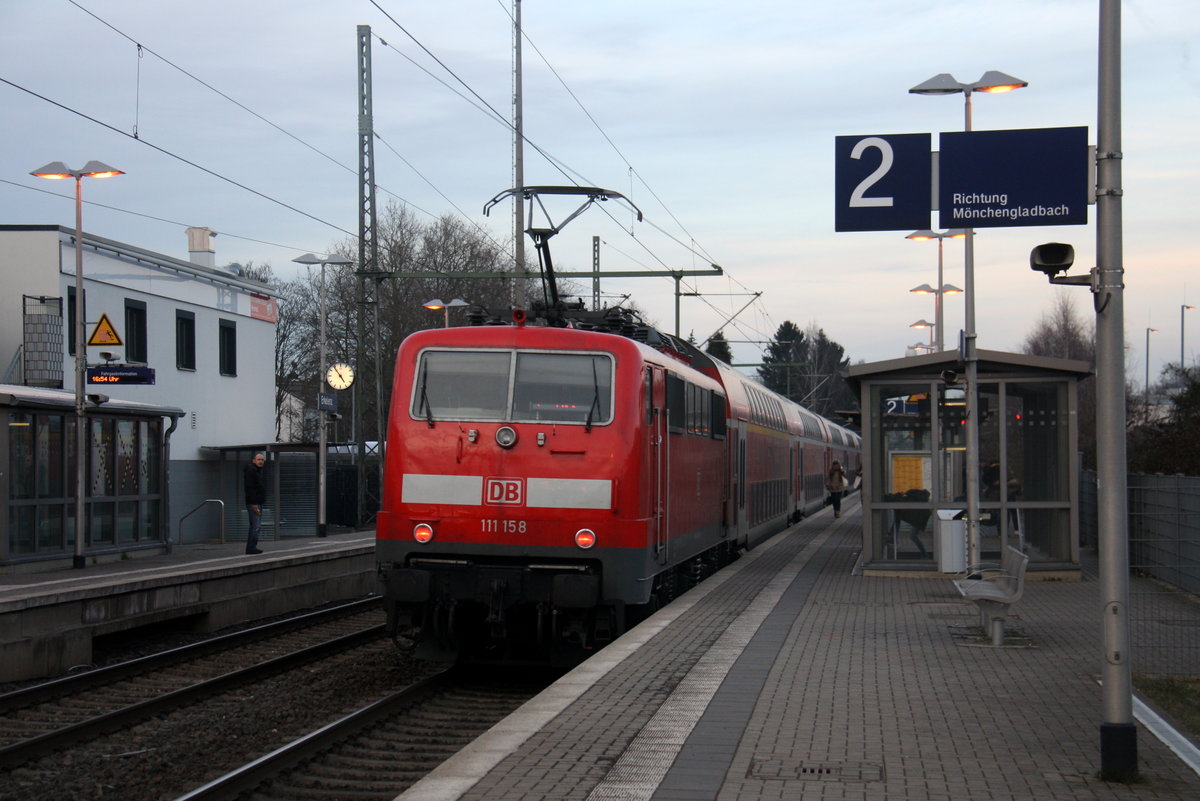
256, 496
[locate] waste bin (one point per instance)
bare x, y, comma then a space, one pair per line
950, 541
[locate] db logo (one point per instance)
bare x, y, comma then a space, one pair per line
504, 491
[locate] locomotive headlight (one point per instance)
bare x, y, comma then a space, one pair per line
585, 538
422, 532
506, 436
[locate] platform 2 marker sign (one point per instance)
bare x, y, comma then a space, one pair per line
883, 182
985, 179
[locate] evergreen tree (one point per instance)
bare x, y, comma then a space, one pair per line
807, 366
718, 348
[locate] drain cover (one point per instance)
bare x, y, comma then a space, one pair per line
787, 768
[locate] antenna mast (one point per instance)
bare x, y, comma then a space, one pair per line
518, 285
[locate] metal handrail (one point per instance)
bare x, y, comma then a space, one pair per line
204, 503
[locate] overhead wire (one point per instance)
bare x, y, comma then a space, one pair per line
99, 205
176, 156
479, 102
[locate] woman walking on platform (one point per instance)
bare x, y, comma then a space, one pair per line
835, 482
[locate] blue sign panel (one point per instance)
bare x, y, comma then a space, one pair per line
326, 402
993, 179
120, 375
883, 182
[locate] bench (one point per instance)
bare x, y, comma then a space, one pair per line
994, 591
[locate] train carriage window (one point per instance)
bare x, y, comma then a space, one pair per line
676, 404
649, 395
563, 387
718, 416
470, 385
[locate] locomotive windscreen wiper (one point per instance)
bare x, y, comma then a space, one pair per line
587, 426
425, 394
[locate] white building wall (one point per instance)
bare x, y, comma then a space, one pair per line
220, 409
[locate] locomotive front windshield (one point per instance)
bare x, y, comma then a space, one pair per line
514, 386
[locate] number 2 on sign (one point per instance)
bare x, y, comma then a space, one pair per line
886, 157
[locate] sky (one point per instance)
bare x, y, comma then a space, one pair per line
716, 119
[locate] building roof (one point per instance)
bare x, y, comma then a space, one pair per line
159, 260
991, 364
15, 395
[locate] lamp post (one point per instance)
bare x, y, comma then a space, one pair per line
1182, 309
436, 303
56, 170
992, 82
923, 323
1149, 331
942, 288
309, 259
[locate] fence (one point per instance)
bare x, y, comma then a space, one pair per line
1164, 562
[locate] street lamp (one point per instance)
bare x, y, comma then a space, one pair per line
1149, 331
992, 82
1182, 309
309, 259
56, 170
436, 303
942, 289
923, 323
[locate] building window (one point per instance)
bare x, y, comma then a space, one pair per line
71, 318
227, 343
135, 331
185, 340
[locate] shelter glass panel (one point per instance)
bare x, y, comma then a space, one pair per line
127, 528
50, 456
903, 470
102, 458
50, 527
1038, 439
21, 455
127, 466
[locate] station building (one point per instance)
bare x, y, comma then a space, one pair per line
154, 450
915, 466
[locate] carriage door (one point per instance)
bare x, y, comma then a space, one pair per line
659, 459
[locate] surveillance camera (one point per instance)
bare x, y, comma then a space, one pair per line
950, 376
1052, 258
97, 398
107, 355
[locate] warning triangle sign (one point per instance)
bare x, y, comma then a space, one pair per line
104, 333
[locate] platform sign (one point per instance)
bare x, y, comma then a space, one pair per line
993, 179
883, 182
327, 402
120, 375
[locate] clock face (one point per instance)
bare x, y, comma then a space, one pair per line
339, 376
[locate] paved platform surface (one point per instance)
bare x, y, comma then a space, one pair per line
49, 621
787, 676
182, 559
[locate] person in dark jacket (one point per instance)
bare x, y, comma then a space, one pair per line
256, 496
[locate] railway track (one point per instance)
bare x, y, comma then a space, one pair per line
46, 718
382, 749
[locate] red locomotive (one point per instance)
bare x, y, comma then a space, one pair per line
546, 485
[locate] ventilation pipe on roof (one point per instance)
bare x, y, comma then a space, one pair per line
200, 247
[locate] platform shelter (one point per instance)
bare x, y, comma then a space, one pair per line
915, 465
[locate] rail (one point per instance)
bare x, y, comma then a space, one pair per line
202, 504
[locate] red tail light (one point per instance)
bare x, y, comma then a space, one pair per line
422, 532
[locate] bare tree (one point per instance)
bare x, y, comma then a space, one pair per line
439, 252
1062, 333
